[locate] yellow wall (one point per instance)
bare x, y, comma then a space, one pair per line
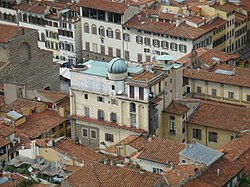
54, 156
224, 136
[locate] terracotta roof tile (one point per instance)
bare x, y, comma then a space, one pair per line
8, 32
162, 150
239, 18
137, 142
228, 170
183, 30
32, 7
105, 5
3, 141
221, 116
95, 174
39, 123
178, 175
241, 77
110, 124
6, 130
53, 95
77, 151
176, 108
227, 7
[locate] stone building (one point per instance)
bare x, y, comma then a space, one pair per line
22, 62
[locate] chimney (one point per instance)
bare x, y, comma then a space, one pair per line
62, 111
33, 149
142, 171
218, 172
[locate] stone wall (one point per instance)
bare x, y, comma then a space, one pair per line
29, 65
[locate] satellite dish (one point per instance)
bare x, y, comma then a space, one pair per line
119, 92
38, 98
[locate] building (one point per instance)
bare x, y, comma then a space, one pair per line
9, 143
218, 82
215, 124
22, 62
96, 174
110, 101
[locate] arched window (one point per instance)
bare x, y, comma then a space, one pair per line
109, 33
1, 15
24, 52
25, 17
117, 35
86, 27
101, 31
132, 107
93, 29
42, 37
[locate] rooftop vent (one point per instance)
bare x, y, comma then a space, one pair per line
224, 72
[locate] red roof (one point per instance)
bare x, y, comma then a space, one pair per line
7, 32
176, 108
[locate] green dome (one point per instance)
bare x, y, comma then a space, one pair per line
117, 65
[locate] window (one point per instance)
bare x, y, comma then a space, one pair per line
248, 97
148, 58
141, 93
156, 43
114, 102
113, 87
173, 46
126, 37
113, 117
93, 134
172, 126
100, 115
109, 137
146, 50
110, 51
139, 39
231, 95
197, 134
214, 92
126, 55
212, 136
86, 27
117, 35
132, 107
118, 52
86, 96
109, 33
182, 48
139, 57
132, 91
101, 31
86, 111
133, 120
198, 89
85, 132
147, 41
103, 49
183, 127
164, 44
93, 29
100, 99
157, 170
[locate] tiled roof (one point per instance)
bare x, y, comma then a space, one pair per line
8, 32
6, 130
77, 151
39, 123
176, 108
195, 19
3, 141
178, 175
95, 174
32, 7
238, 150
240, 18
183, 30
20, 104
105, 5
227, 7
162, 150
221, 116
53, 95
105, 123
241, 77
137, 142
227, 170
